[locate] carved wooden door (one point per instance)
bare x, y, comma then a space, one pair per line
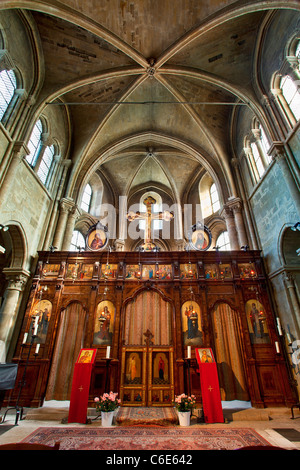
147, 355
147, 376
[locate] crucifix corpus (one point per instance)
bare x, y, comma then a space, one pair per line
149, 216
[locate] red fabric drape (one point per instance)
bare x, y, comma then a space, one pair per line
229, 354
148, 311
68, 344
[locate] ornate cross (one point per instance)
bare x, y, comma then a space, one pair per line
149, 216
148, 339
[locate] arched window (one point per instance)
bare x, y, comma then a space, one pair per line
297, 54
77, 241
214, 198
35, 143
257, 159
265, 145
291, 95
46, 164
223, 242
86, 198
8, 84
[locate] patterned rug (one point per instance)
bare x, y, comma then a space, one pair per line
160, 416
146, 438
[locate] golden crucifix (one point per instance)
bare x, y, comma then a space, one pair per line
149, 216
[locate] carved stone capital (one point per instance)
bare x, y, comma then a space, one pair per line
17, 279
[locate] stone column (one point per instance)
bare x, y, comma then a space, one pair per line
291, 290
120, 242
235, 164
257, 136
13, 294
231, 228
74, 213
65, 206
19, 152
251, 163
279, 155
277, 92
239, 222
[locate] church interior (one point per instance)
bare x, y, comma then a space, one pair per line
149, 200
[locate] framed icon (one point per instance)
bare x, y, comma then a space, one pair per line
97, 238
200, 237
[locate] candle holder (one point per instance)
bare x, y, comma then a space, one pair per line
187, 361
19, 410
107, 374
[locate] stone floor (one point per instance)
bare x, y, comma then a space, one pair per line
264, 421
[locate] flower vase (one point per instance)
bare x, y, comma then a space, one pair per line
184, 418
107, 418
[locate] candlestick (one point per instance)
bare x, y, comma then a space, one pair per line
108, 352
277, 347
37, 348
279, 326
189, 350
25, 338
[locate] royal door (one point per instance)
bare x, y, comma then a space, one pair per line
147, 375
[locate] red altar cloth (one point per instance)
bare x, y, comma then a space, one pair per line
211, 397
81, 386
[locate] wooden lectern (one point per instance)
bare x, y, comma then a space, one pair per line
210, 389
81, 386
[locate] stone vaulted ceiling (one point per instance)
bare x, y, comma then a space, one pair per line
149, 86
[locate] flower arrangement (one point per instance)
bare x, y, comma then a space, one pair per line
184, 402
108, 402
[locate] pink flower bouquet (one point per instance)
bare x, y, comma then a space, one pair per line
107, 402
184, 402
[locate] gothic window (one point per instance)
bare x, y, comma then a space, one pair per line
35, 143
8, 84
257, 159
264, 143
223, 241
297, 54
86, 198
291, 95
45, 166
77, 241
214, 198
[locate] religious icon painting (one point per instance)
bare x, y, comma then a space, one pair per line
72, 271
204, 355
51, 270
160, 368
104, 323
97, 237
225, 271
257, 324
200, 237
86, 271
148, 272
191, 324
109, 271
86, 356
41, 309
247, 271
133, 271
188, 271
133, 368
164, 272
211, 271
